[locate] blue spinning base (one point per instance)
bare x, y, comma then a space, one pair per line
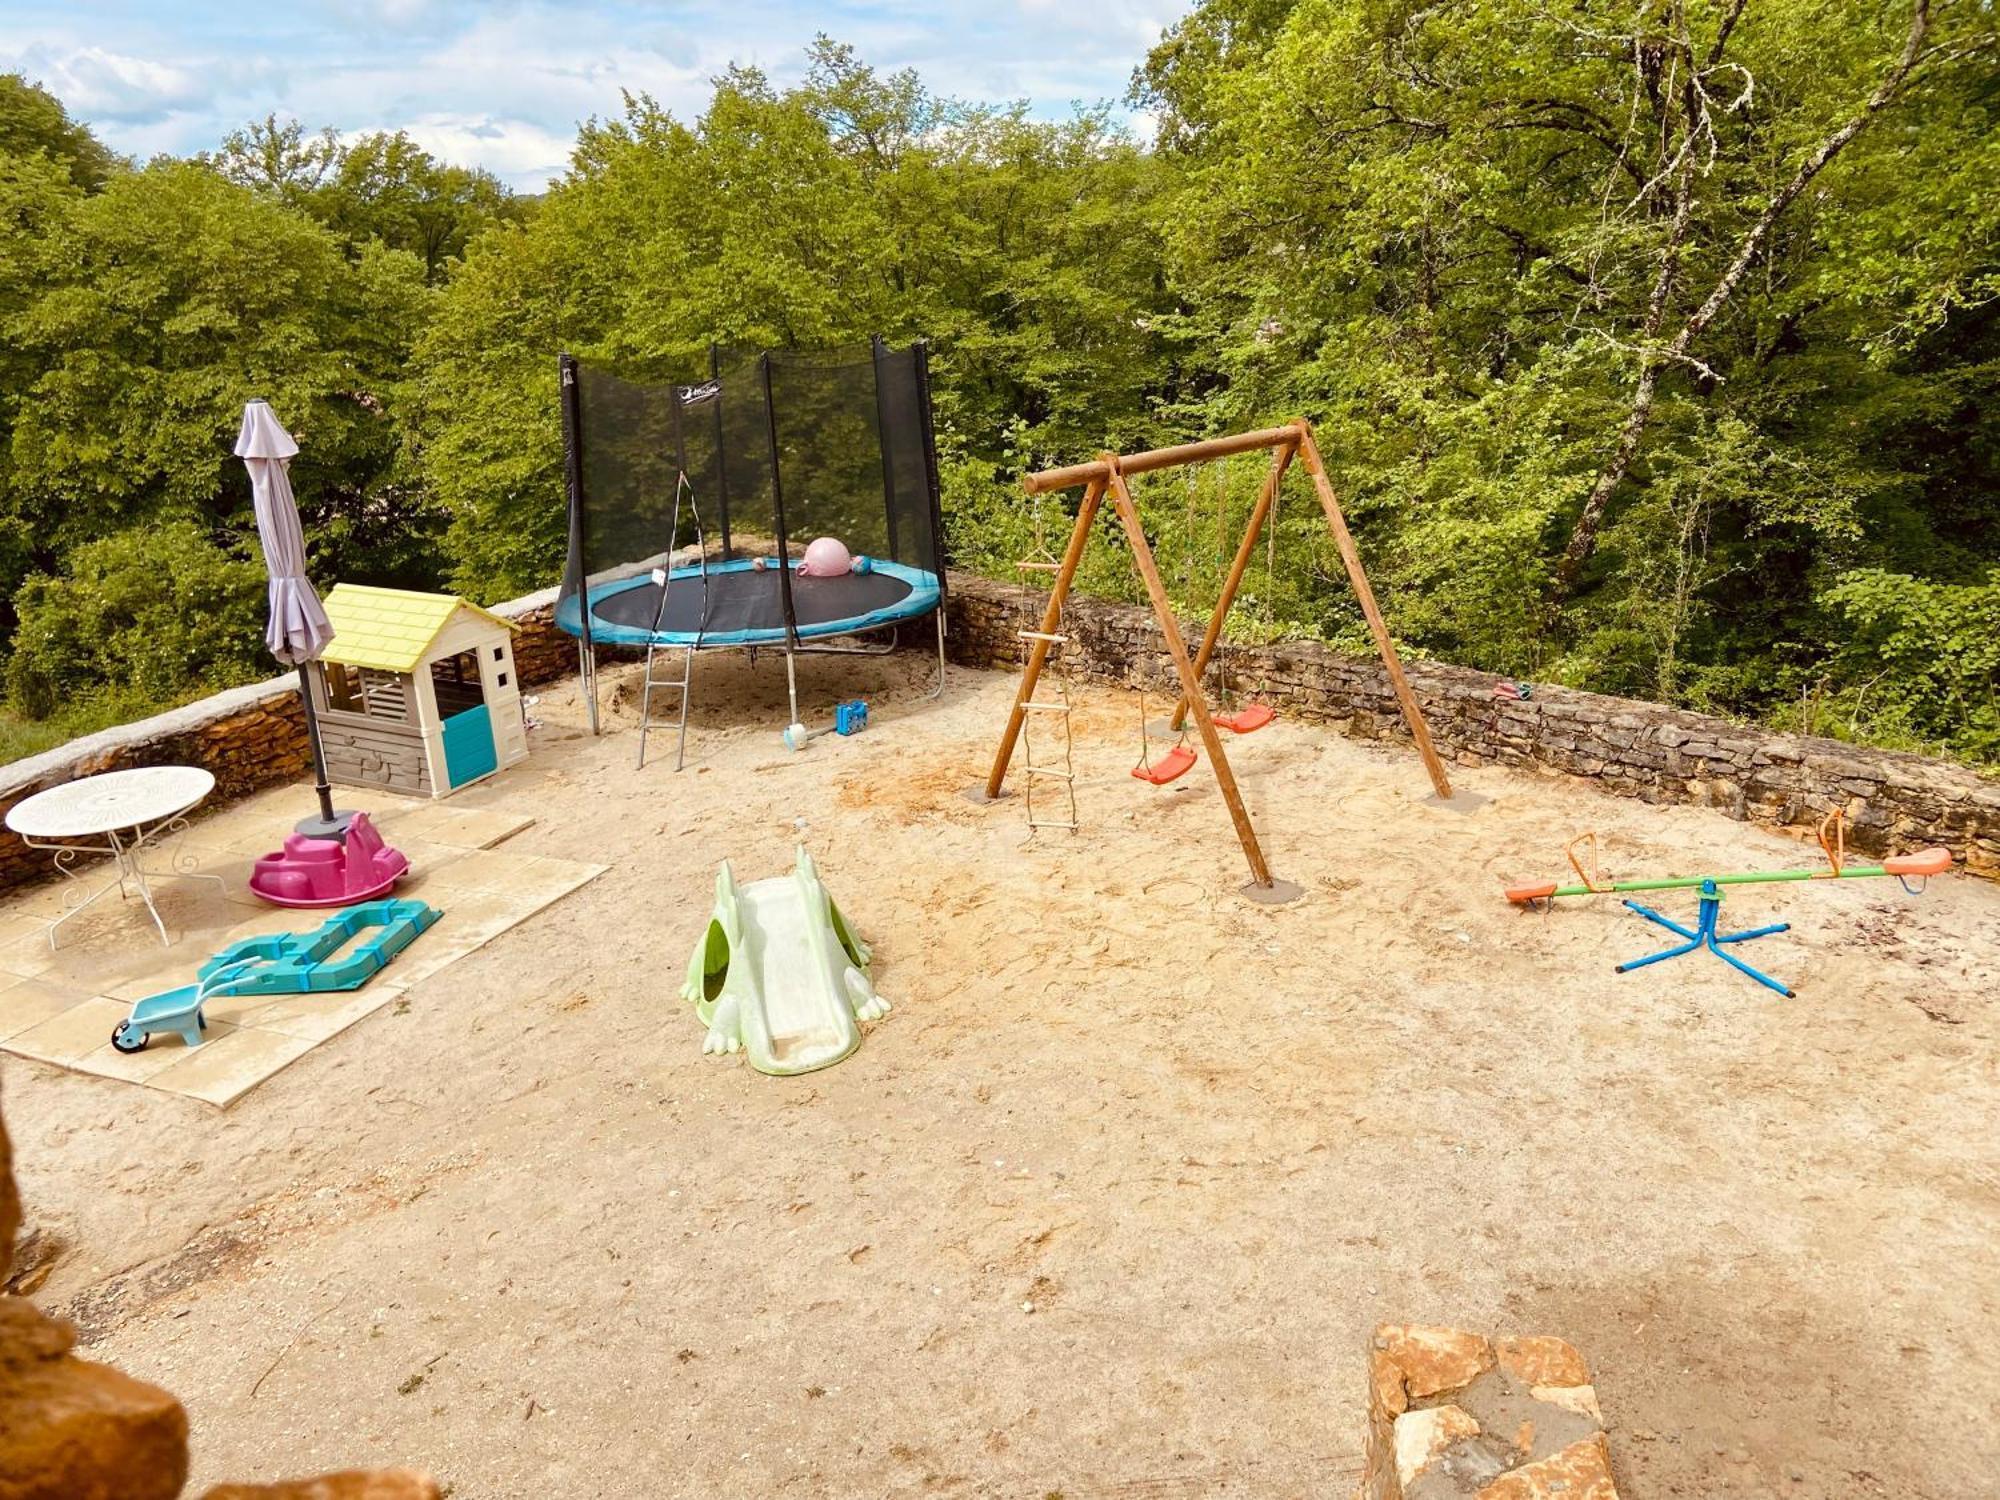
1704, 935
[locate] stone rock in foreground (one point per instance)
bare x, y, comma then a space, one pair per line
74, 1430
350, 1484
71, 1429
1455, 1416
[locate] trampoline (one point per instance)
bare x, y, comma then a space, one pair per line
735, 603
690, 505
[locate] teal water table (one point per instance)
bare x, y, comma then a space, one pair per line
344, 953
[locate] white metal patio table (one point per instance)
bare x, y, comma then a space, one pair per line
125, 815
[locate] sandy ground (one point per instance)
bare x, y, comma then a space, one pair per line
1108, 1205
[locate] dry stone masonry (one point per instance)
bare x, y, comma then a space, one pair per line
253, 737
1457, 1416
250, 737
1619, 745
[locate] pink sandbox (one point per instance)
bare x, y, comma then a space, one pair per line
329, 872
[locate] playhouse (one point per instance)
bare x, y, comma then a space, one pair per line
417, 692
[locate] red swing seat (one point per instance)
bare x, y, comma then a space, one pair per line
1247, 719
1169, 767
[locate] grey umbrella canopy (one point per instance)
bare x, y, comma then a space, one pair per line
298, 629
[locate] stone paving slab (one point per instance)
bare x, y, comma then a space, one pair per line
59, 1005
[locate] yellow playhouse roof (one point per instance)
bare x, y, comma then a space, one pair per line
390, 629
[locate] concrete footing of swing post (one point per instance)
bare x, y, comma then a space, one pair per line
1277, 893
977, 793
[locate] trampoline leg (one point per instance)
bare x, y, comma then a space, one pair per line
586, 675
938, 691
687, 690
792, 683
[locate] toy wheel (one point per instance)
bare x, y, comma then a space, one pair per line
121, 1038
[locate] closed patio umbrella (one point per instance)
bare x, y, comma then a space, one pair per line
298, 629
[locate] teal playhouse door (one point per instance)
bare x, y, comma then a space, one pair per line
466, 720
468, 746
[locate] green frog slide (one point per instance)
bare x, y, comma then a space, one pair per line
779, 975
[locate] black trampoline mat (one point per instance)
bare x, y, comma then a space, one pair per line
748, 599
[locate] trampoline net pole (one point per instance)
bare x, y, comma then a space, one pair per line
877, 356
721, 449
576, 574
778, 512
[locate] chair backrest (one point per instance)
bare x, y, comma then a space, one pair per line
364, 847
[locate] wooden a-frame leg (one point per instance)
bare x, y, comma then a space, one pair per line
1079, 537
1266, 496
1412, 714
1163, 607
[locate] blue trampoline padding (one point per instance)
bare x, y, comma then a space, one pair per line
747, 599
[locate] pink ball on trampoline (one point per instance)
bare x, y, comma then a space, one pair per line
827, 557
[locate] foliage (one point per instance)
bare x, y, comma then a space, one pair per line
153, 310
379, 187
34, 123
851, 205
1915, 662
1468, 243
141, 615
1652, 346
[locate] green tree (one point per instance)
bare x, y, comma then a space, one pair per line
853, 204
34, 123
140, 617
1656, 313
165, 302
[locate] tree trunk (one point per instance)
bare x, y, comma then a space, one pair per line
1639, 415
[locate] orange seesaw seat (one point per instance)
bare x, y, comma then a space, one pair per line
1169, 767
1923, 862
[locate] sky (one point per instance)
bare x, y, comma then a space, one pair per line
504, 85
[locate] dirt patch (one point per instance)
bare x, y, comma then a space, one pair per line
1110, 1202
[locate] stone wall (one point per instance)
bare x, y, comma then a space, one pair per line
1894, 802
254, 736
250, 737
1454, 1414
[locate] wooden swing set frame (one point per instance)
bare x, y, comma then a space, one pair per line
1107, 474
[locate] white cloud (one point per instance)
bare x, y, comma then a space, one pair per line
516, 151
503, 85
99, 84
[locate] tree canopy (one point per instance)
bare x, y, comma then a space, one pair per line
1653, 346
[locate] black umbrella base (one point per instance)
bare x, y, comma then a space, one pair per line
317, 827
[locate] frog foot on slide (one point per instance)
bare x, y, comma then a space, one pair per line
861, 996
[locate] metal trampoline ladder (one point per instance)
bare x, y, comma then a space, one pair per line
1056, 705
665, 574
678, 684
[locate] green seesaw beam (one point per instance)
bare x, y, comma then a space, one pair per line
1922, 864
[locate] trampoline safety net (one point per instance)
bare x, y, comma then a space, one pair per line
772, 451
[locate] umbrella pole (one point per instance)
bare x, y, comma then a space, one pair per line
329, 824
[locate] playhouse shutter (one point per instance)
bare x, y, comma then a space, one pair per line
385, 694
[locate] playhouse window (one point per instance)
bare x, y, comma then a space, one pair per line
363, 690
455, 679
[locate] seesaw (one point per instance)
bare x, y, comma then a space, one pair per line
1919, 866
